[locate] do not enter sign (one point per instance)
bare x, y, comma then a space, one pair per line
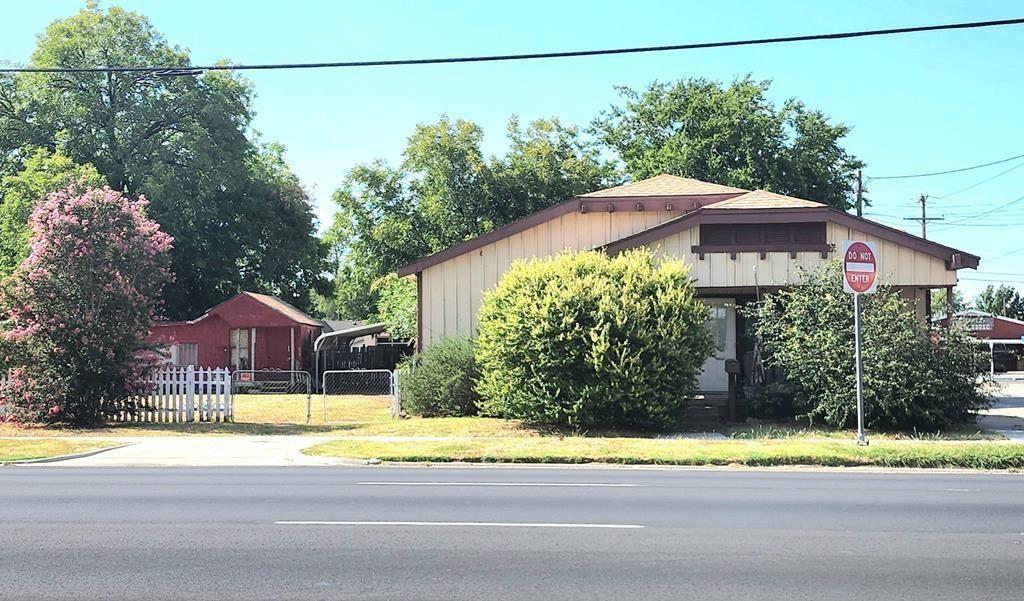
860, 267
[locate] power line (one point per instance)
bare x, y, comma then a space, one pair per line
194, 70
1019, 156
1007, 253
983, 213
984, 181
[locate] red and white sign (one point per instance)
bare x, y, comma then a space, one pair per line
860, 266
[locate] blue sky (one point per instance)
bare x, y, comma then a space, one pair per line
917, 103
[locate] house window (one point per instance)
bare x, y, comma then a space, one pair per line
184, 354
240, 349
717, 324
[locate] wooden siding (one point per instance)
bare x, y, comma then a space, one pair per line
452, 290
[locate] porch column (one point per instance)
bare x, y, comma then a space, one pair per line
949, 306
291, 349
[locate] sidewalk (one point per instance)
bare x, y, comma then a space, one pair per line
145, 451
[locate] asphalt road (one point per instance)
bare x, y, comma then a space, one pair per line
486, 534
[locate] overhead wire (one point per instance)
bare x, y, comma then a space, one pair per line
184, 70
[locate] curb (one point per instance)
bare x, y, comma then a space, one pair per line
794, 468
57, 458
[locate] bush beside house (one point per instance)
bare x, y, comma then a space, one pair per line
585, 340
441, 381
915, 376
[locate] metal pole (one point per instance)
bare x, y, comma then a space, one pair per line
861, 438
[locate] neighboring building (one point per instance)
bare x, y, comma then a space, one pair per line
737, 241
248, 331
1004, 337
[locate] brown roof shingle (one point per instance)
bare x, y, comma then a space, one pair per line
763, 199
663, 185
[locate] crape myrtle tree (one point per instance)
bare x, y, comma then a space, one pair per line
915, 376
238, 215
75, 315
733, 135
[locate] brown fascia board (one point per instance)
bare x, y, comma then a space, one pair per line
584, 204
955, 259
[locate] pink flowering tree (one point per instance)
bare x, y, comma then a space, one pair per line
75, 315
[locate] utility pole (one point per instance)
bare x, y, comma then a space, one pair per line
860, 195
924, 218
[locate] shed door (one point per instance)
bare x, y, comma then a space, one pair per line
722, 323
240, 350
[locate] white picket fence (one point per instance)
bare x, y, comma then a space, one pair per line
184, 394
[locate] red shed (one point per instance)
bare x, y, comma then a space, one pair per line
248, 331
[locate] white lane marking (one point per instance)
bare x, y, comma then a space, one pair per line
458, 524
553, 484
963, 490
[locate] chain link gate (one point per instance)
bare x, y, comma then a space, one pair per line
358, 395
271, 396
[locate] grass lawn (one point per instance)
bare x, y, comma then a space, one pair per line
16, 450
763, 452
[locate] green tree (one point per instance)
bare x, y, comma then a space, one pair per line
42, 174
731, 135
446, 191
396, 304
1001, 300
941, 305
236, 210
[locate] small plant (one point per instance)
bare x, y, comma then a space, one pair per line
441, 380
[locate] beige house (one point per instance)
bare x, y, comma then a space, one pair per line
738, 242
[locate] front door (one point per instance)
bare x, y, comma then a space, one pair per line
722, 324
240, 350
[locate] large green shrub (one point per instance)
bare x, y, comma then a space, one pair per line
441, 380
584, 340
915, 376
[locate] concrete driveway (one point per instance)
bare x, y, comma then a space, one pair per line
1007, 415
205, 451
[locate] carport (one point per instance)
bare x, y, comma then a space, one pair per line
331, 349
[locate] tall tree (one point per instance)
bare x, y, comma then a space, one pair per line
1002, 300
238, 214
446, 191
731, 135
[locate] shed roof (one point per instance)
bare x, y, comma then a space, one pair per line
284, 308
663, 185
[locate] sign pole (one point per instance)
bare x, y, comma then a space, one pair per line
861, 438
860, 276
